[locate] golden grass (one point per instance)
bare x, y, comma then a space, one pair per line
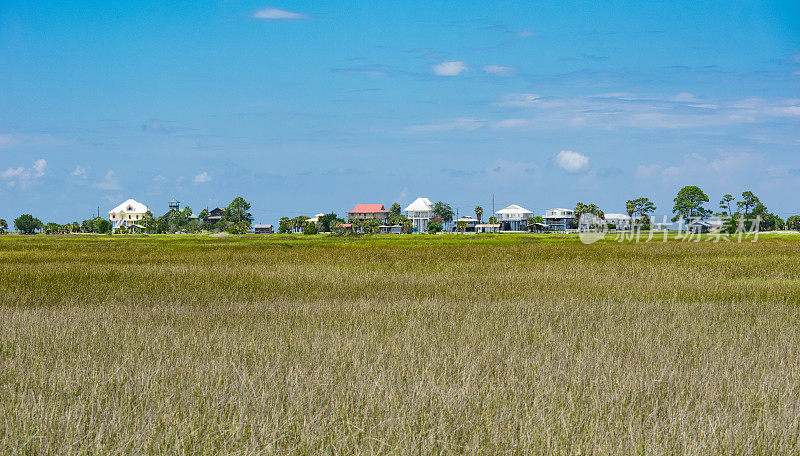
423, 345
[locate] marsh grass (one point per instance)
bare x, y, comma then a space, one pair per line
398, 345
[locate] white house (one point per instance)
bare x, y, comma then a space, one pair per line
620, 221
127, 214
513, 218
471, 222
558, 219
420, 212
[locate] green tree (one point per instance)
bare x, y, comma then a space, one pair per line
3, 226
478, 213
395, 209
748, 203
299, 222
641, 206
793, 223
461, 226
285, 225
327, 220
443, 211
371, 226
52, 228
203, 214
590, 209
237, 211
434, 227
725, 204
27, 224
689, 204
310, 228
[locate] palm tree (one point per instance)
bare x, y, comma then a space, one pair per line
478, 212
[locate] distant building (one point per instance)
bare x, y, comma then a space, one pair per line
620, 221
559, 219
513, 218
470, 221
420, 212
391, 229
369, 212
128, 215
262, 229
215, 215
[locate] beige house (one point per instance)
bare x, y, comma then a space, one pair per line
128, 214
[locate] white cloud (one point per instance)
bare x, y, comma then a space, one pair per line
11, 173
79, 171
519, 100
277, 14
24, 176
499, 70
202, 178
510, 123
109, 182
572, 162
462, 124
621, 110
449, 68
684, 97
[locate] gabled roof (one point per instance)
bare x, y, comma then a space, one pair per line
465, 218
617, 217
420, 205
368, 208
130, 205
514, 209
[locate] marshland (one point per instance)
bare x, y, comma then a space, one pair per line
398, 345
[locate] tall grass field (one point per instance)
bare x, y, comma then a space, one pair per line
398, 345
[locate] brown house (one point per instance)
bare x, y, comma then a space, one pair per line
369, 212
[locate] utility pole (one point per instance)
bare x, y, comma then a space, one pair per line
494, 230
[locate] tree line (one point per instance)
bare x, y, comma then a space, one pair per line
235, 219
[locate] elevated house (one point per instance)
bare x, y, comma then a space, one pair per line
215, 215
369, 212
127, 215
420, 212
619, 221
513, 218
471, 222
559, 219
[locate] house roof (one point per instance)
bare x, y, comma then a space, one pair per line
420, 205
130, 205
466, 218
255, 227
368, 208
514, 209
618, 217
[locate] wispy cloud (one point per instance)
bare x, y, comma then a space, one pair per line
109, 182
155, 126
499, 70
623, 110
449, 68
572, 162
461, 124
202, 178
22, 175
275, 14
79, 171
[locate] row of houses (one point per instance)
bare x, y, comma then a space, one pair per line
420, 212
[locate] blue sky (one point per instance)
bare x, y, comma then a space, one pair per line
306, 107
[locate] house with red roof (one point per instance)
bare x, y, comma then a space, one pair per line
369, 212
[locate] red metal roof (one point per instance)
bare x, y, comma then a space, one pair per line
368, 208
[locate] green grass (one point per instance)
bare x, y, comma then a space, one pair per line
398, 345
